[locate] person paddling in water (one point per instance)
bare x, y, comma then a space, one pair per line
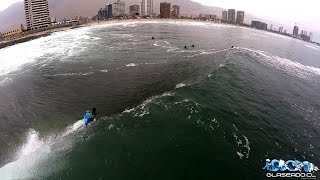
90, 116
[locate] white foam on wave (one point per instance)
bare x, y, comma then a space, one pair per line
122, 35
104, 71
128, 110
243, 149
240, 155
35, 152
5, 81
75, 74
33, 144
59, 44
131, 24
131, 65
312, 47
291, 67
142, 109
180, 85
208, 52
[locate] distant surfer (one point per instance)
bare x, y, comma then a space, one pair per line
152, 38
90, 116
231, 47
185, 47
193, 45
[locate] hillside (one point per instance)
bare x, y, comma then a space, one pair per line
13, 16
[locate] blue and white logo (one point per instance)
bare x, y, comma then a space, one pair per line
290, 165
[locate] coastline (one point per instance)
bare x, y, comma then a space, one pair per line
48, 32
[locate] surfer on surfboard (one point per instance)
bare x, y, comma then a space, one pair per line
90, 116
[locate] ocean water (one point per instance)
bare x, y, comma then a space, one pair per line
164, 112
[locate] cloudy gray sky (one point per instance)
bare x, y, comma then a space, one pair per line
306, 13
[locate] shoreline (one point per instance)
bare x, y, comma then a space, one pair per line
48, 32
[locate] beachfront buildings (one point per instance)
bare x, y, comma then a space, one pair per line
165, 9
37, 14
259, 25
12, 33
118, 8
109, 9
106, 12
134, 9
175, 11
240, 17
224, 15
147, 8
280, 29
295, 31
232, 16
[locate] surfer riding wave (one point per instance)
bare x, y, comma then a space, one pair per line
90, 116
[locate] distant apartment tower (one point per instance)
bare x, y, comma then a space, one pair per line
118, 8
103, 13
37, 14
165, 9
232, 15
134, 9
295, 31
240, 17
147, 8
109, 8
259, 25
175, 11
280, 29
224, 15
106, 12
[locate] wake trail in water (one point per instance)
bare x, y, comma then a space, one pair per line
36, 151
283, 64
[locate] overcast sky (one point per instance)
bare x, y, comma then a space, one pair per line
6, 3
306, 13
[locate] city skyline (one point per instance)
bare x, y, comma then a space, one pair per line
307, 17
283, 12
230, 4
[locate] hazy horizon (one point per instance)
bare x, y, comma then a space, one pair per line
302, 14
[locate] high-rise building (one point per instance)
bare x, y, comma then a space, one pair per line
37, 14
143, 8
134, 9
165, 9
295, 31
147, 8
103, 13
280, 29
118, 8
232, 15
240, 17
109, 8
224, 15
175, 11
259, 25
150, 7
106, 12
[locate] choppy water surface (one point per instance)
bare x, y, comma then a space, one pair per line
164, 112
